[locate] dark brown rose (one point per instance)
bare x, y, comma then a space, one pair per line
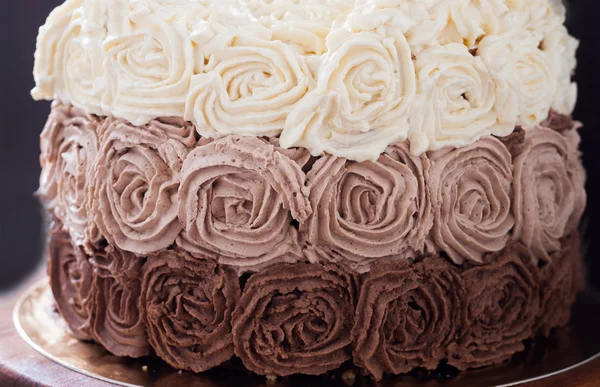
407, 316
187, 305
69, 148
118, 324
471, 199
71, 281
549, 194
559, 122
367, 211
295, 319
135, 186
501, 304
559, 286
238, 198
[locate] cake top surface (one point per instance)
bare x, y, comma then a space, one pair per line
345, 77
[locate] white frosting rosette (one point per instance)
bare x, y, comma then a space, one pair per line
304, 24
149, 70
75, 71
365, 88
518, 60
248, 89
458, 100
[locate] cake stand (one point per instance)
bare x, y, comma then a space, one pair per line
571, 357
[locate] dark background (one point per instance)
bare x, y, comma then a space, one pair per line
23, 119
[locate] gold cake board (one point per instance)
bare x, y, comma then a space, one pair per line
38, 323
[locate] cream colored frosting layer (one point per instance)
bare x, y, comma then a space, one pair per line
342, 77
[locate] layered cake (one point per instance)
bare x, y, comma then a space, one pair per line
311, 184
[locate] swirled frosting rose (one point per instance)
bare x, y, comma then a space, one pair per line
295, 319
501, 310
549, 194
118, 323
135, 186
559, 286
361, 103
237, 200
365, 211
72, 282
187, 305
69, 148
458, 100
247, 89
471, 199
407, 316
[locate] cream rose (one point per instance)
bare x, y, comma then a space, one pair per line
458, 101
148, 69
247, 89
365, 89
517, 60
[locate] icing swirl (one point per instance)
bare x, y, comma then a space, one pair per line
135, 187
71, 281
471, 199
187, 305
118, 324
295, 319
407, 316
237, 200
501, 310
69, 148
549, 194
366, 211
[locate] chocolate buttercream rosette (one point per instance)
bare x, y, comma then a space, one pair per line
549, 192
118, 323
407, 316
69, 146
238, 199
369, 210
135, 186
295, 319
501, 307
72, 283
187, 305
560, 285
471, 199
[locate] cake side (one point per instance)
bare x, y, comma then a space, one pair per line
197, 249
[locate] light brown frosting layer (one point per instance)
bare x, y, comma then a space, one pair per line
249, 203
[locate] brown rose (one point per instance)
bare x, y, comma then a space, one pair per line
295, 319
118, 324
559, 286
549, 195
471, 195
69, 148
238, 198
366, 211
187, 305
71, 281
501, 305
135, 187
407, 316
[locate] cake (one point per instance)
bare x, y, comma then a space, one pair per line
311, 184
